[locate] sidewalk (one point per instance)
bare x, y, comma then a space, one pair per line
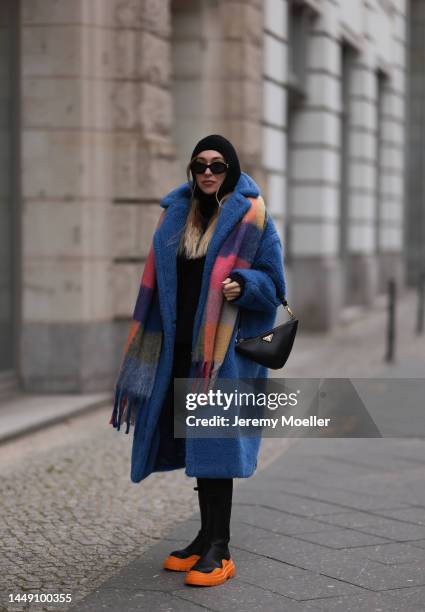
25, 412
332, 525
75, 523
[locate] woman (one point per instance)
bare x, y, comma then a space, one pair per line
215, 262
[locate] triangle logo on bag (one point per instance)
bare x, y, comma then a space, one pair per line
268, 338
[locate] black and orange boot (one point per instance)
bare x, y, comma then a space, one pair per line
182, 560
215, 565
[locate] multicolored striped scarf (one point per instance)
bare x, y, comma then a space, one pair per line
144, 341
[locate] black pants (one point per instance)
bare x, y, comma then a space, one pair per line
173, 449
220, 487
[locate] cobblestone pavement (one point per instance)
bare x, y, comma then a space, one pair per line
69, 515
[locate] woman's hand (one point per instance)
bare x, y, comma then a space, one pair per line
231, 289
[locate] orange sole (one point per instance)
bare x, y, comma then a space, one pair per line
180, 565
217, 576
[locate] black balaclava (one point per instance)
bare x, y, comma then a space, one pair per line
215, 142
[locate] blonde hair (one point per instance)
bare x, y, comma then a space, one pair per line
193, 242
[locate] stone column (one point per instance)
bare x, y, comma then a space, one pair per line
67, 334
314, 180
360, 284
217, 69
238, 82
145, 166
274, 119
394, 242
391, 238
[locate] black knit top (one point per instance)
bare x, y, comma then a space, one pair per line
189, 280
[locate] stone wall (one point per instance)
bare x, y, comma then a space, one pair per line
66, 189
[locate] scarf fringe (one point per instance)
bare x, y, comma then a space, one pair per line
126, 409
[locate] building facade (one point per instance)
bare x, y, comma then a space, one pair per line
102, 103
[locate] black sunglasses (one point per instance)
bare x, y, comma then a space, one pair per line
216, 167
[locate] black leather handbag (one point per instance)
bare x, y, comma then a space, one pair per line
273, 347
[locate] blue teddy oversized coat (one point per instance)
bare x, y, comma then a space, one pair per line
264, 281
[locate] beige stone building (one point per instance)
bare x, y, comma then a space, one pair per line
101, 104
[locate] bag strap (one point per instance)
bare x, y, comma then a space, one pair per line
284, 304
